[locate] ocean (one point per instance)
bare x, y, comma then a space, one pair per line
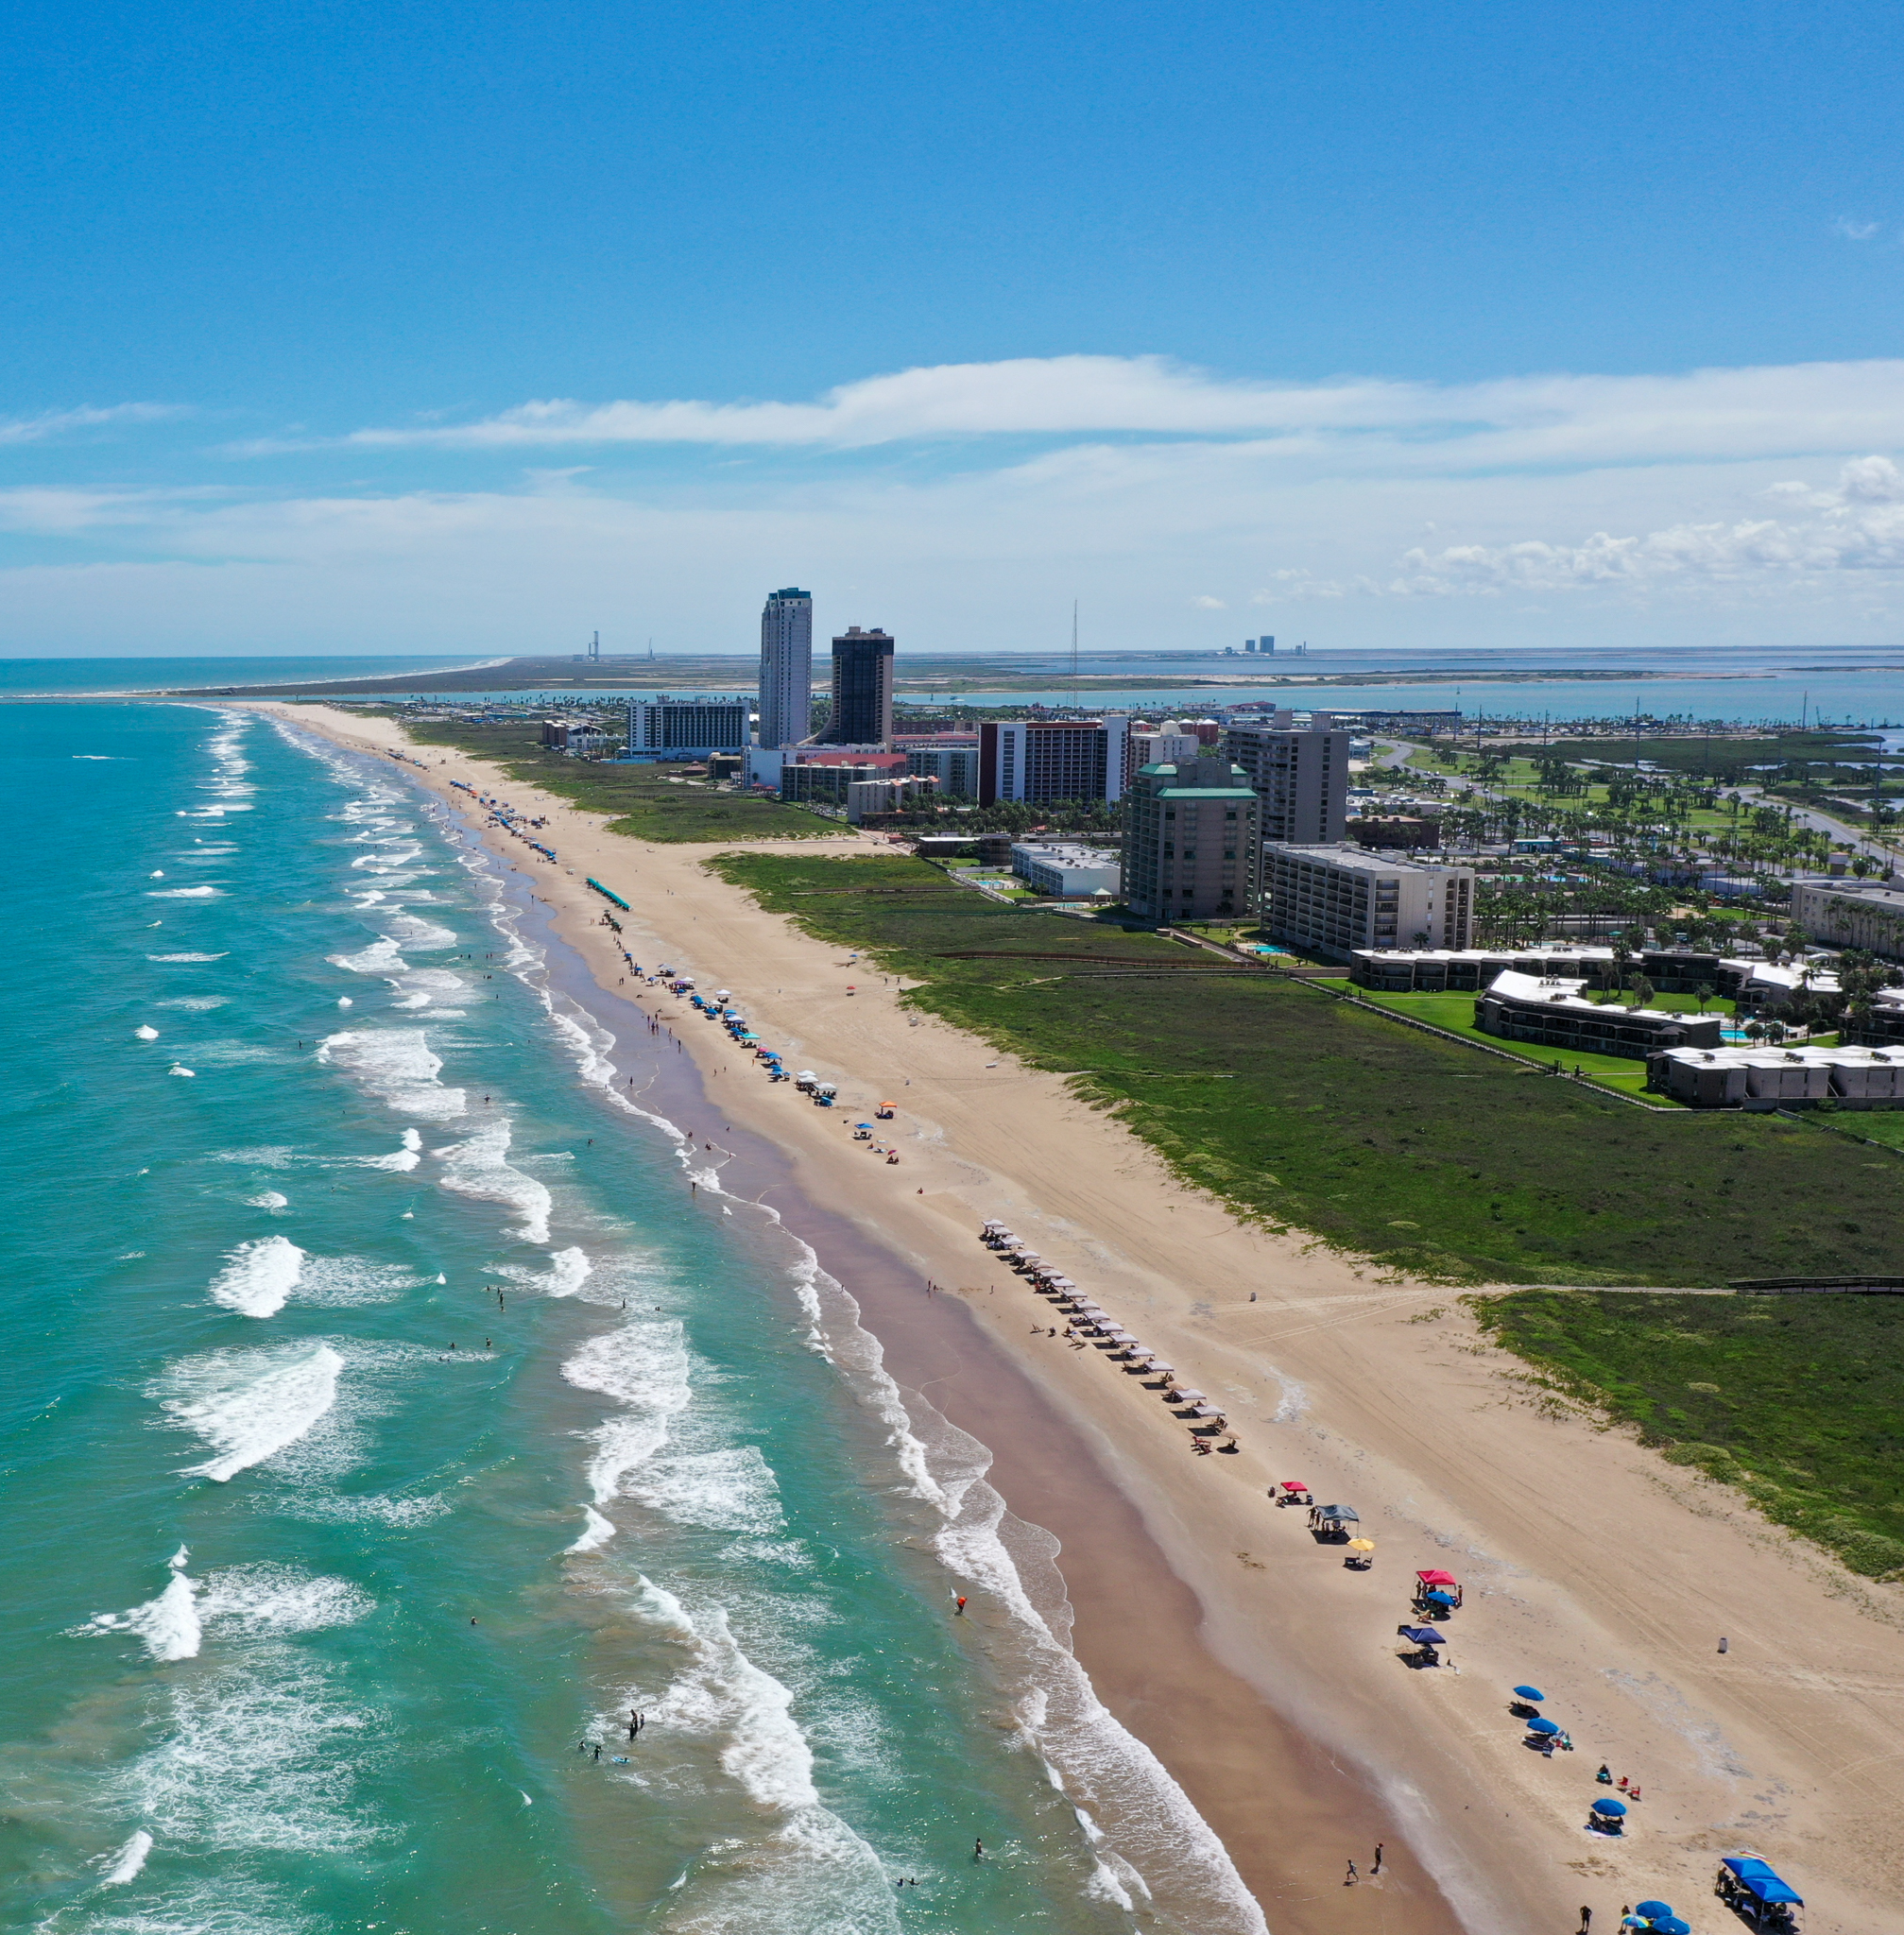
388, 1420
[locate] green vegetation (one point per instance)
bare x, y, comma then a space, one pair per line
1307, 1112
1797, 1400
652, 802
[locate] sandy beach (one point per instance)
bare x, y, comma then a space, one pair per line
1265, 1675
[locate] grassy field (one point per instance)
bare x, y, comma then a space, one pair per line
1798, 1401
650, 804
1307, 1113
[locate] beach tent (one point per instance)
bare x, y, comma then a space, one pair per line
1339, 1515
1756, 1878
1422, 1635
1444, 1579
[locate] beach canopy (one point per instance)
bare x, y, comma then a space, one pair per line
1424, 1636
1294, 1484
1653, 1909
1530, 1693
1340, 1512
1543, 1727
1190, 1397
1442, 1579
1612, 1809
1759, 1877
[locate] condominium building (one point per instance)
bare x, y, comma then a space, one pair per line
1851, 914
687, 729
1300, 777
1768, 1078
1190, 841
1556, 1015
1052, 759
956, 767
1334, 900
786, 667
1065, 871
863, 689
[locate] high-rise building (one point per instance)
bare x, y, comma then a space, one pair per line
1300, 777
1336, 899
786, 667
686, 729
1190, 841
1052, 759
863, 689
955, 768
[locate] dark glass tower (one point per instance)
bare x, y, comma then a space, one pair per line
863, 689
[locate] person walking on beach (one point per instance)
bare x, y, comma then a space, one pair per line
1350, 1879
1586, 1920
1377, 1869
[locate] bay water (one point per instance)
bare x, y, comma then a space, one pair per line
386, 1422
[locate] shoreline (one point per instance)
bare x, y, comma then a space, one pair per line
1588, 1563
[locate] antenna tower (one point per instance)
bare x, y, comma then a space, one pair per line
1073, 643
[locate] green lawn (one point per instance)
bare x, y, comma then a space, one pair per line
651, 803
1307, 1113
1798, 1401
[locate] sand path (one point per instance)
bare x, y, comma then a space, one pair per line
1592, 1569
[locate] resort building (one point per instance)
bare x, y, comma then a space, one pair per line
786, 668
665, 728
1852, 914
863, 689
824, 782
1036, 760
1300, 778
1882, 1025
1556, 1014
1394, 829
1467, 970
1189, 841
1333, 900
1067, 872
1764, 1078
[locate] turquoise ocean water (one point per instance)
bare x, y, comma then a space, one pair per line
385, 1419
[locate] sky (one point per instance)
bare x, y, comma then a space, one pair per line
432, 329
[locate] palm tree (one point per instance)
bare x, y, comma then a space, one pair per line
1703, 994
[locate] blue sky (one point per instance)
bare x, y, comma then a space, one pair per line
411, 326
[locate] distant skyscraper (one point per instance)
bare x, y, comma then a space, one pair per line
786, 668
863, 689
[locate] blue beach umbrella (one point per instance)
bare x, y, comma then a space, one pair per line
1543, 1726
1652, 1910
1669, 1925
1438, 1597
1612, 1809
1533, 1694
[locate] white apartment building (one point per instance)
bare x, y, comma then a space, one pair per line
786, 668
956, 767
687, 729
1766, 1078
1851, 914
1336, 899
1067, 872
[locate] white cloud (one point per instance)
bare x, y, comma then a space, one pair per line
1204, 602
1355, 424
1853, 230
51, 423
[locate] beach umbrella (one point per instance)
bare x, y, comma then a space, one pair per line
1611, 1810
1652, 1910
1533, 1694
1438, 1597
1543, 1726
1362, 1544
1669, 1925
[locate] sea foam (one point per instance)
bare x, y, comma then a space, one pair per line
396, 1066
258, 1276
645, 1368
248, 1405
478, 1167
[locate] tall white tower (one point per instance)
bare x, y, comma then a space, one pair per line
786, 668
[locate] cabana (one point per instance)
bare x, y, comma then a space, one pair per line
1749, 1886
1424, 1640
1293, 1491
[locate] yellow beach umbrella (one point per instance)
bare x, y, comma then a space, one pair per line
1362, 1544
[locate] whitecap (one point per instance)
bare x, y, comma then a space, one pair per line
184, 893
414, 932
477, 1167
254, 1601
247, 1406
124, 1862
567, 1272
645, 1368
169, 1625
596, 1531
271, 1198
185, 957
258, 1276
337, 1282
380, 957
195, 1003
396, 1066
145, 1032
730, 1490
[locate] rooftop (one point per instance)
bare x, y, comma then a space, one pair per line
1357, 859
1515, 986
